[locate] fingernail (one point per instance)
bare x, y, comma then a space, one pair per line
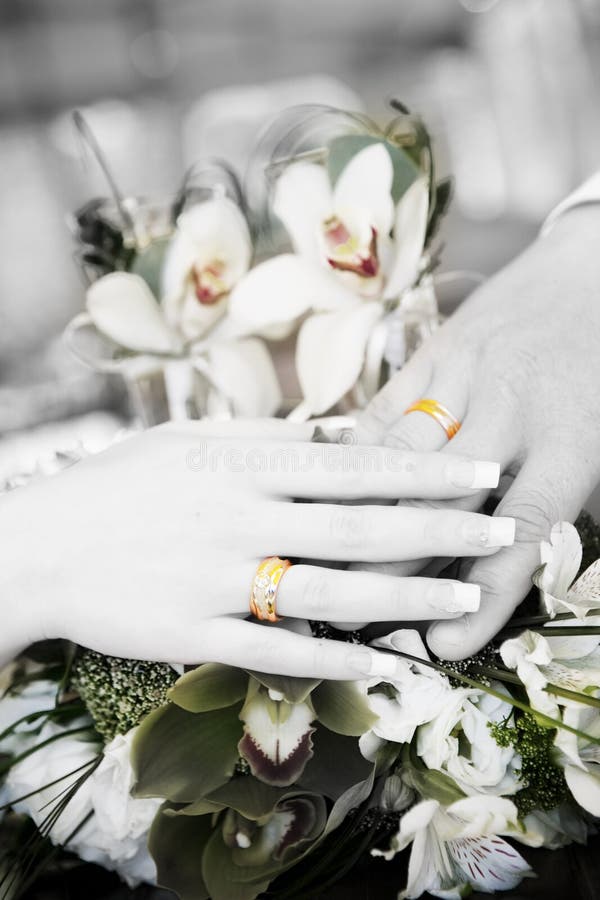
448, 640
455, 597
473, 474
496, 531
368, 662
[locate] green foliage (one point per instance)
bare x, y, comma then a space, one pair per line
211, 686
343, 148
148, 264
544, 782
430, 784
342, 708
118, 693
184, 756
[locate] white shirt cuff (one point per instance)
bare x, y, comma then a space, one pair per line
589, 192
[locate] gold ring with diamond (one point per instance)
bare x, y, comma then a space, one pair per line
263, 597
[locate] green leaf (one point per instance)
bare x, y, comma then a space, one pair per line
350, 799
294, 690
148, 264
176, 845
429, 783
442, 196
343, 148
218, 872
337, 764
342, 708
211, 686
249, 796
183, 756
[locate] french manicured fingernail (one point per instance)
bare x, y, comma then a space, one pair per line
368, 662
473, 474
496, 531
455, 597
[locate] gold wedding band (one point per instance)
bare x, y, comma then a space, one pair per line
263, 597
438, 412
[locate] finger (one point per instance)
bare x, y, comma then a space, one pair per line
419, 430
375, 533
322, 471
390, 402
267, 648
482, 436
260, 428
545, 492
313, 592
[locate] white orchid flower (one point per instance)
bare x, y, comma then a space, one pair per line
354, 249
208, 254
458, 846
561, 560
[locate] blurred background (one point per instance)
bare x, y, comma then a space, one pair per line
509, 89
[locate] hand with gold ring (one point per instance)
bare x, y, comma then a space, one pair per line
152, 549
517, 368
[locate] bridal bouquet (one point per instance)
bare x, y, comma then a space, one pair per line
185, 294
223, 783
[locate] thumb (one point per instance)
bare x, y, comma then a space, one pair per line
542, 495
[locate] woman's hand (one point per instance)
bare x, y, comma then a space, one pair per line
148, 550
519, 366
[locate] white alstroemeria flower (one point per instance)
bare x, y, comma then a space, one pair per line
422, 694
208, 254
541, 660
581, 758
459, 846
459, 742
354, 249
561, 560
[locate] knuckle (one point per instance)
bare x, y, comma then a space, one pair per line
383, 408
405, 439
535, 512
316, 596
350, 526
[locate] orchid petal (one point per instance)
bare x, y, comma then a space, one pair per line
410, 229
280, 290
244, 373
330, 354
302, 200
191, 318
365, 185
212, 230
123, 308
277, 738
